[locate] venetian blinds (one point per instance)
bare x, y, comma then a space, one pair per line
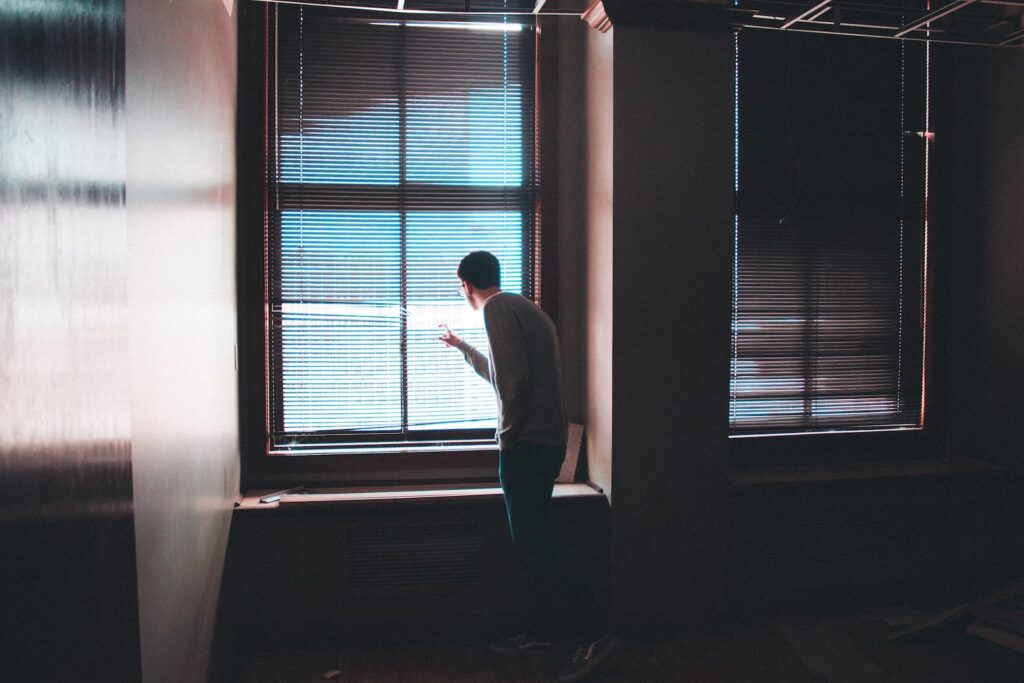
828, 296
399, 146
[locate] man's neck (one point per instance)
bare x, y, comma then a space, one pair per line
485, 295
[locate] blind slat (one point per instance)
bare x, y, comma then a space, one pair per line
399, 148
827, 295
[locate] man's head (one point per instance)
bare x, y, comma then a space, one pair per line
480, 273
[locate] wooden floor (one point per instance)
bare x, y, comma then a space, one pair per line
849, 650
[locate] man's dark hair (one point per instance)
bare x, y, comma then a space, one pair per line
480, 269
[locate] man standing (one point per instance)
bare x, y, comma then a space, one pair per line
523, 367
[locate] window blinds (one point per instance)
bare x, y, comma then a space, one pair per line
828, 301
399, 146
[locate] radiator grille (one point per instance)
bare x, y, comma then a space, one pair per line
412, 559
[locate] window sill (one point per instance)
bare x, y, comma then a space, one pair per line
756, 477
397, 496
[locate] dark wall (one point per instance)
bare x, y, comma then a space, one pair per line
657, 235
1003, 264
980, 250
672, 253
979, 269
68, 597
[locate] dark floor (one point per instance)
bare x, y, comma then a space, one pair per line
853, 650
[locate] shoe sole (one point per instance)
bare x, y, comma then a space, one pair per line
592, 664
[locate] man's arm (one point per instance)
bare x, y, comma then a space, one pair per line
476, 360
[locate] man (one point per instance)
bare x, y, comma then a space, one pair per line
523, 367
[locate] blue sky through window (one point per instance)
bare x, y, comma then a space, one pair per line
341, 271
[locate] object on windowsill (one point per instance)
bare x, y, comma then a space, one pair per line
276, 496
567, 475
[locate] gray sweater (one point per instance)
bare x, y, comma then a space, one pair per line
524, 370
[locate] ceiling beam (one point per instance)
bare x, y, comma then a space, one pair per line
814, 11
356, 5
1014, 37
954, 6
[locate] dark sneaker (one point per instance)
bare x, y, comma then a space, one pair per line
517, 644
588, 655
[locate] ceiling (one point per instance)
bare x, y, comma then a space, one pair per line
972, 22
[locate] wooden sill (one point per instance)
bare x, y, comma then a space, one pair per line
802, 474
397, 496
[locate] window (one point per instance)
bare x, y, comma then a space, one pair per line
395, 147
830, 264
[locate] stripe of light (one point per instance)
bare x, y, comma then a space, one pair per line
927, 170
735, 218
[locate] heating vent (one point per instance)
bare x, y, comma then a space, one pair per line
836, 538
418, 559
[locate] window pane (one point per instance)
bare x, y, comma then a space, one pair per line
340, 323
443, 391
361, 148
828, 294
471, 139
400, 147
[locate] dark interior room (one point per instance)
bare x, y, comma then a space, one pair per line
781, 242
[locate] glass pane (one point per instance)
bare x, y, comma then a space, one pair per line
470, 138
443, 391
360, 149
340, 318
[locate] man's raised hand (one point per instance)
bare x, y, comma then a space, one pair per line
449, 338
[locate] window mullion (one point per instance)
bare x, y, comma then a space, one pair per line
403, 315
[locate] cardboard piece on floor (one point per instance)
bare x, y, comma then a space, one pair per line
829, 653
1005, 592
1014, 641
901, 616
567, 475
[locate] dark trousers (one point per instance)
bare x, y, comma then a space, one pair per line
558, 599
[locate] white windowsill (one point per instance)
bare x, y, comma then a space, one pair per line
398, 495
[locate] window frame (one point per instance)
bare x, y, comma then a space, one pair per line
837, 446
471, 461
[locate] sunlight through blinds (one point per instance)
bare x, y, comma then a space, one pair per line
828, 291
399, 147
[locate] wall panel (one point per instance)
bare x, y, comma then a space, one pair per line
68, 558
181, 62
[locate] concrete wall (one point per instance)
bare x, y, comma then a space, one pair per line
1001, 272
571, 210
979, 245
655, 228
650, 204
672, 247
597, 295
181, 73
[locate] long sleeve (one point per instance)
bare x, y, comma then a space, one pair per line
509, 367
476, 360
523, 368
